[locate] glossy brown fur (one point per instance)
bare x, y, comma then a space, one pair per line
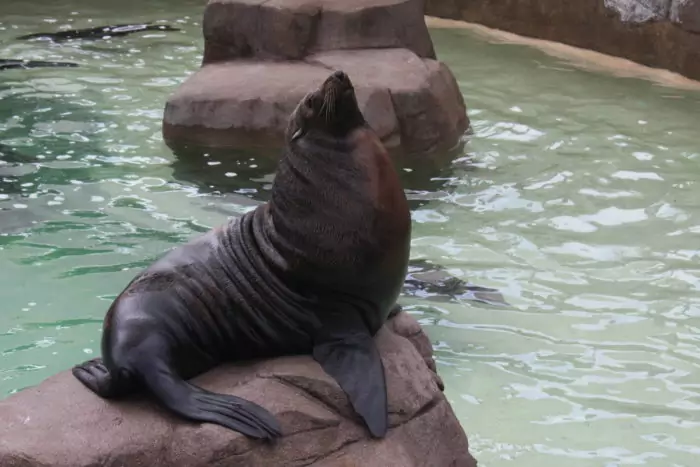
354, 238
321, 264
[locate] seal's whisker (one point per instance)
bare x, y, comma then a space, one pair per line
330, 110
323, 105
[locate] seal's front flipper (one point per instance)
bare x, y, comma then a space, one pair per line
346, 351
197, 404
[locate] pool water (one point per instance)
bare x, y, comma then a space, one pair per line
575, 196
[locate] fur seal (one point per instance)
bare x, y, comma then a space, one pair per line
98, 32
429, 280
316, 270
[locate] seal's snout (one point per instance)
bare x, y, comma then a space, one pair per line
341, 77
337, 82
332, 107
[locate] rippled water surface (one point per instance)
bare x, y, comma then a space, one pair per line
576, 196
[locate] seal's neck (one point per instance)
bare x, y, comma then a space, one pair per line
321, 204
319, 171
338, 222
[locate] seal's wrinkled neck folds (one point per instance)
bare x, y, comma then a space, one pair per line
331, 109
326, 205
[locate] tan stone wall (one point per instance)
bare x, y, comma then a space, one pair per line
657, 33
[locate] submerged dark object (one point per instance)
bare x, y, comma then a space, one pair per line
13, 64
9, 155
428, 280
99, 32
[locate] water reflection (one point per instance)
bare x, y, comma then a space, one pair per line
250, 171
575, 197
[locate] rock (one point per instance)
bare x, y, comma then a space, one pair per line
687, 14
237, 103
410, 102
655, 33
640, 11
406, 325
61, 424
293, 29
262, 56
428, 104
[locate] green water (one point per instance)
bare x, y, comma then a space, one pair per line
574, 197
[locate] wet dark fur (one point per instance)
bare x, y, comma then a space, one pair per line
13, 64
98, 32
431, 281
317, 270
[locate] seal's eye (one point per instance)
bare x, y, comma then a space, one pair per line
308, 107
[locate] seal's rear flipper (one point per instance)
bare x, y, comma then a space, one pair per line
346, 351
197, 404
97, 377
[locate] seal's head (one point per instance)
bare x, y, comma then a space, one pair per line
329, 110
340, 216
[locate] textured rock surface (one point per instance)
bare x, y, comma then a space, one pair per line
657, 33
262, 56
639, 11
410, 102
687, 14
293, 29
60, 424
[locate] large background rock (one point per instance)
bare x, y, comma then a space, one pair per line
656, 33
293, 29
262, 56
409, 101
639, 11
687, 14
61, 424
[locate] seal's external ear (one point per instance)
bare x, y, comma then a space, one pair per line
346, 351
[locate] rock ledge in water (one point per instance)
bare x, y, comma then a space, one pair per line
61, 424
251, 80
294, 29
241, 102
